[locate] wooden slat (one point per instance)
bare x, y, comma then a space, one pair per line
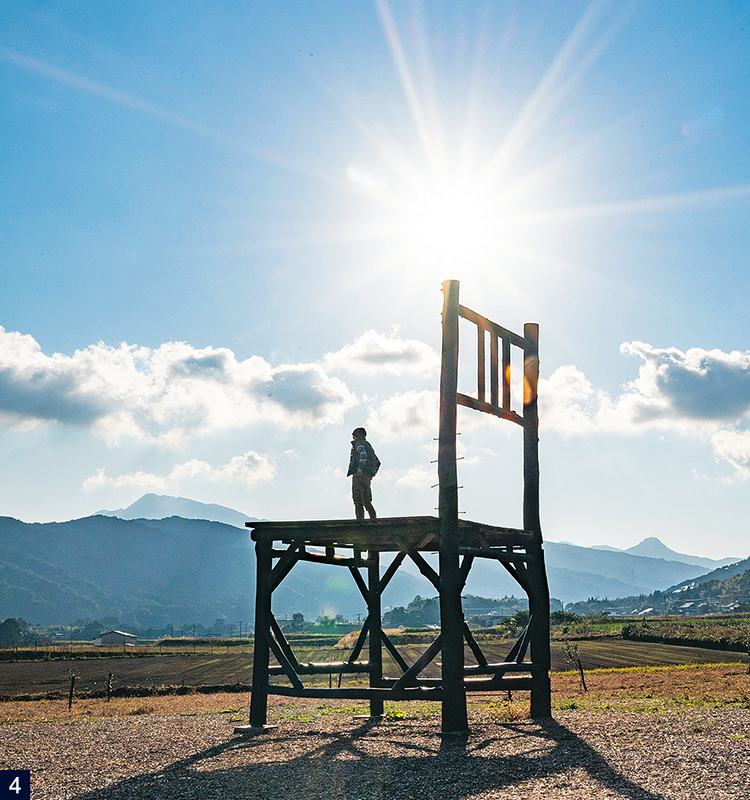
474, 647
374, 640
498, 330
391, 648
481, 379
501, 683
324, 668
352, 526
316, 558
424, 568
488, 408
283, 643
506, 374
285, 564
360, 643
494, 373
465, 568
389, 533
501, 669
497, 555
429, 654
518, 651
391, 571
364, 693
263, 591
286, 665
361, 585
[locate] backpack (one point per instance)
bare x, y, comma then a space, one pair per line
373, 462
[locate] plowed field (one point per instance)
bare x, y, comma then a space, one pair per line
224, 669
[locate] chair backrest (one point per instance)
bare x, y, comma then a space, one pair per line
494, 399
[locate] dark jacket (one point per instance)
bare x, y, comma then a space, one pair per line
363, 458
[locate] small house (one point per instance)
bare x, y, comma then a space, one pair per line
117, 638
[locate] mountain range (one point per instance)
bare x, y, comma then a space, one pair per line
720, 574
577, 573
151, 573
175, 569
720, 591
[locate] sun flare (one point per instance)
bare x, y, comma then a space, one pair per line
454, 225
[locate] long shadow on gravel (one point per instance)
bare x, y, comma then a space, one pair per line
382, 762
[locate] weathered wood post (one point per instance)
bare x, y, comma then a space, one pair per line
454, 716
374, 640
538, 592
263, 589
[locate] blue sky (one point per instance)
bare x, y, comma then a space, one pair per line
224, 228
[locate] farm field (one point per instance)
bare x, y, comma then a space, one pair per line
53, 677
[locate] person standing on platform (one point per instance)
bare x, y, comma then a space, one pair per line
363, 466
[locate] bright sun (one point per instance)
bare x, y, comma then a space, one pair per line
455, 224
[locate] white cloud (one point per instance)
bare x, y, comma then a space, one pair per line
142, 480
166, 395
418, 478
173, 393
695, 386
38, 388
374, 353
705, 393
408, 415
733, 447
569, 403
249, 469
697, 391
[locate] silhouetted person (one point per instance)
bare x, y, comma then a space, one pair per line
363, 464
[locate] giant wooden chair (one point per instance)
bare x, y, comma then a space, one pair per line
358, 547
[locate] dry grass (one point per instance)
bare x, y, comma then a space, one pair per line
635, 689
654, 688
85, 708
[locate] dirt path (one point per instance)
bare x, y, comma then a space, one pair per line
699, 753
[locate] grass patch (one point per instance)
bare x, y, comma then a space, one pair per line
418, 709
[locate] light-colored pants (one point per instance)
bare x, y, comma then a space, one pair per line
362, 496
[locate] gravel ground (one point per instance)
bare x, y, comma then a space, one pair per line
696, 753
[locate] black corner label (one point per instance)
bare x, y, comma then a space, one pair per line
15, 784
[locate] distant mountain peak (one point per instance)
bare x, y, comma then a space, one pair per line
159, 506
651, 547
